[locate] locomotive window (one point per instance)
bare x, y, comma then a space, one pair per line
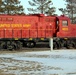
65, 23
9, 19
57, 22
49, 20
3, 19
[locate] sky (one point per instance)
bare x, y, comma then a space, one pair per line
56, 3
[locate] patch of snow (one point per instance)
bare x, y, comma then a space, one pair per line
61, 62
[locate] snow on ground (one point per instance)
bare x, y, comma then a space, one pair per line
57, 62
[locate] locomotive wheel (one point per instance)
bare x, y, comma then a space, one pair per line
10, 45
18, 45
2, 45
70, 44
14, 45
56, 45
30, 44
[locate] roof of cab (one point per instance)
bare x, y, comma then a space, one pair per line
63, 17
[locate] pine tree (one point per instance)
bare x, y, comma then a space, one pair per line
11, 7
42, 6
71, 9
1, 6
63, 10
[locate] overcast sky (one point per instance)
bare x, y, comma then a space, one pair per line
56, 3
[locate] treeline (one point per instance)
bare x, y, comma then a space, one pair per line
14, 7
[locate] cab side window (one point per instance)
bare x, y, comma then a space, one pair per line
57, 22
65, 23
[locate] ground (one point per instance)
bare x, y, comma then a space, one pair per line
57, 62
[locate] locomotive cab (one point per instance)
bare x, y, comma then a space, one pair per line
66, 34
63, 32
63, 26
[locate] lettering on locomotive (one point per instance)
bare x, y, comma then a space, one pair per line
26, 25
14, 25
65, 29
4, 25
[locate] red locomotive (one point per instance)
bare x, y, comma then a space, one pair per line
19, 30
